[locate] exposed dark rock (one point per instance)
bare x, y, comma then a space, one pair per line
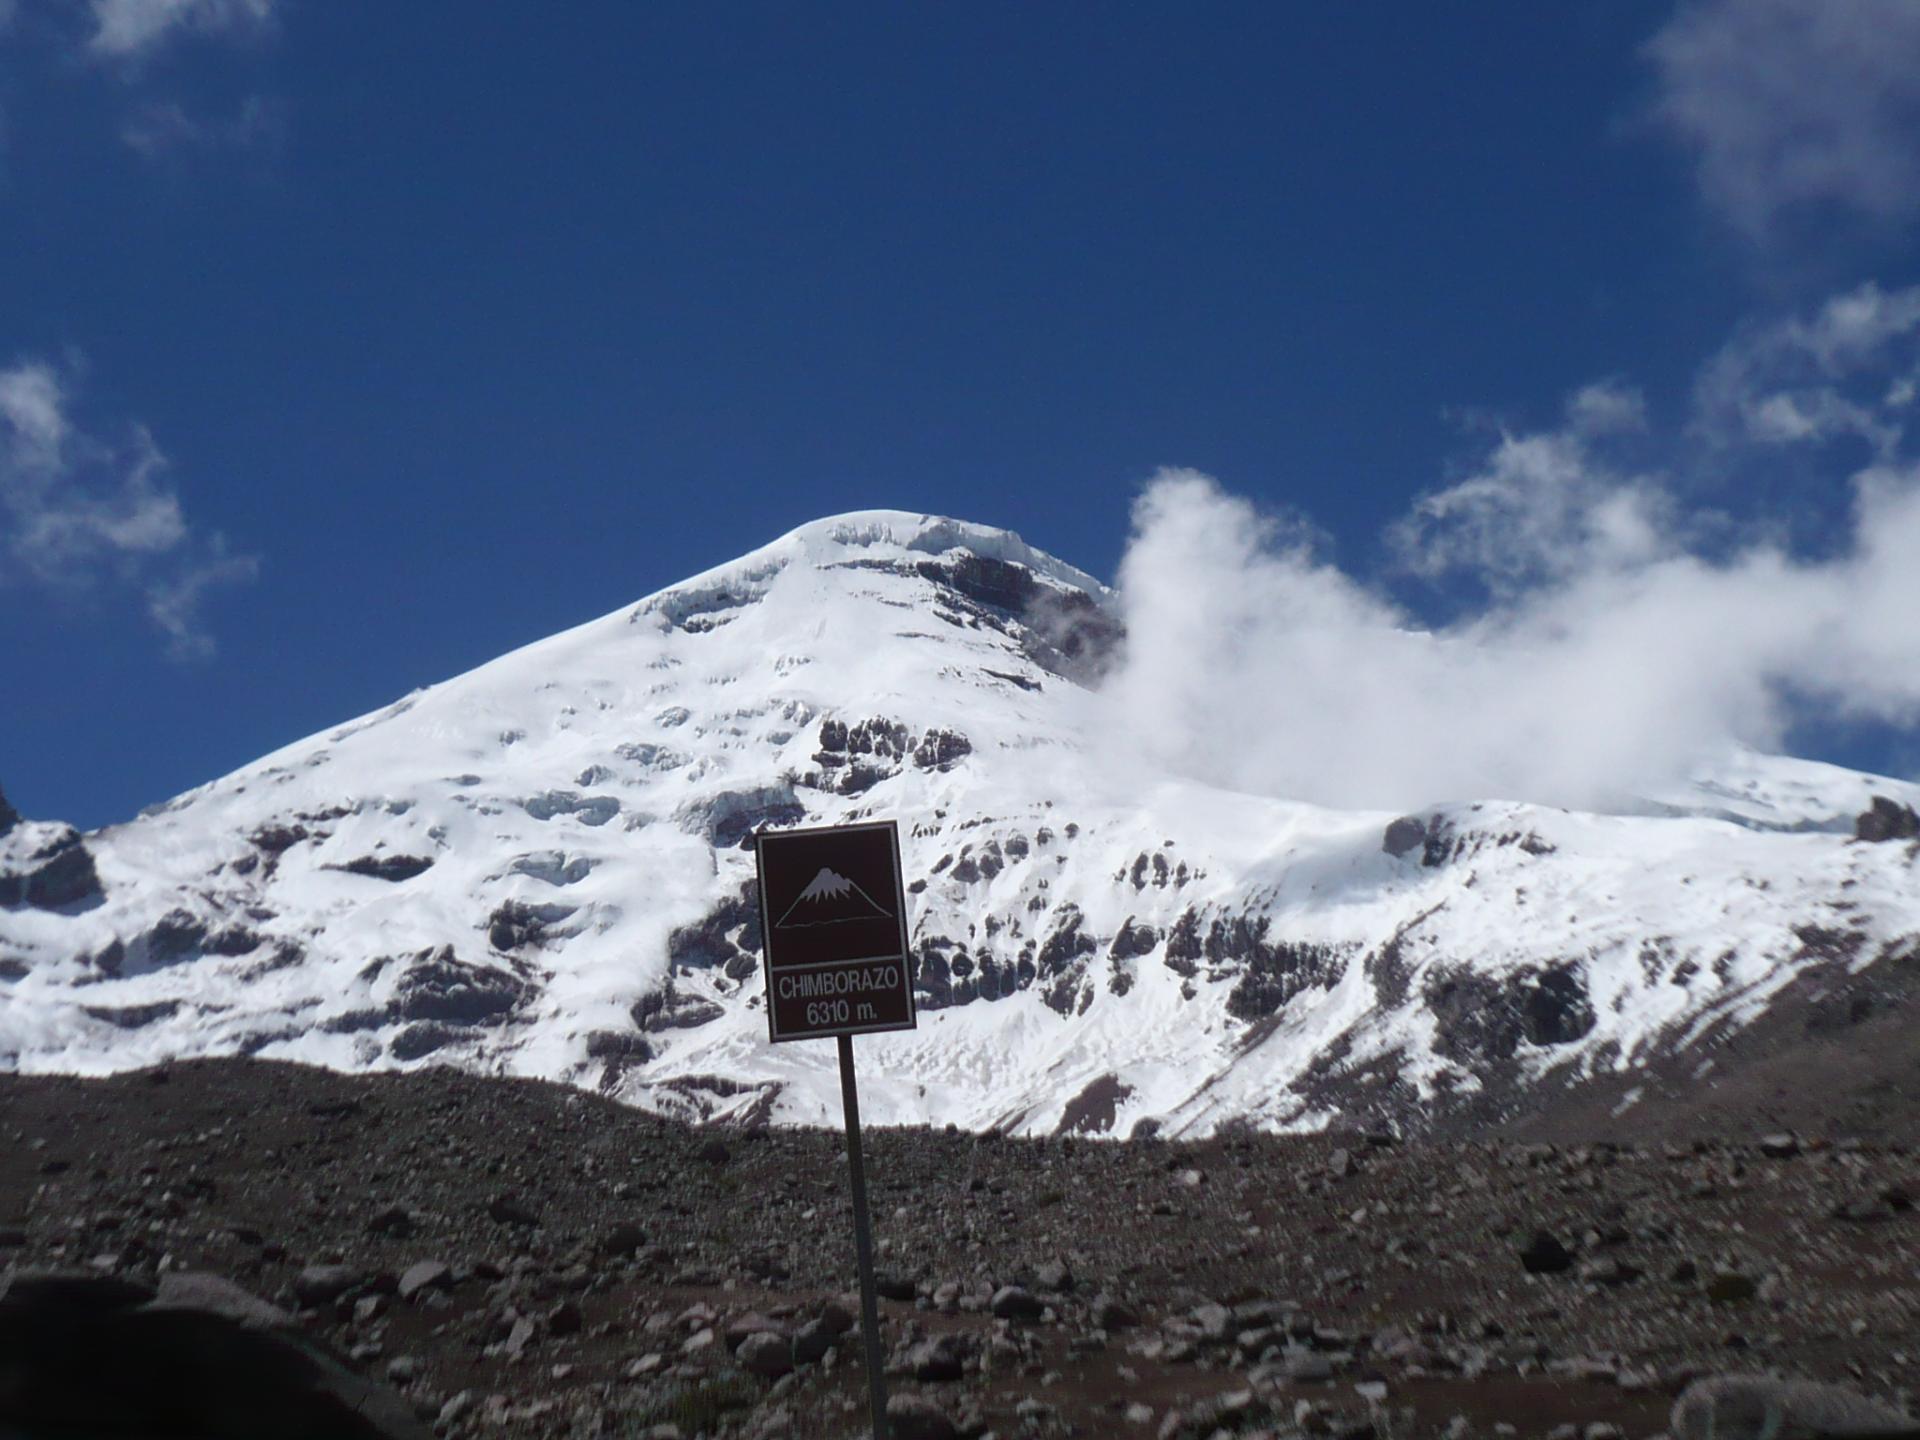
1480, 1016
1405, 835
728, 938
353, 1022
1066, 944
174, 936
9, 817
277, 839
623, 1047
940, 749
133, 1017
1094, 1110
668, 1009
46, 866
1886, 819
422, 1039
1133, 941
231, 940
393, 868
515, 923
437, 986
1270, 974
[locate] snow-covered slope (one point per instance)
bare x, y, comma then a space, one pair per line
538, 868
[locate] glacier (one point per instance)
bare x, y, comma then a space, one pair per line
543, 867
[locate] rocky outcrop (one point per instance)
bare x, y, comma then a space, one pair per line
854, 758
726, 939
728, 820
392, 868
1488, 1018
43, 864
438, 986
515, 924
1886, 819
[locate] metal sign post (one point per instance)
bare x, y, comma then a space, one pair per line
833, 916
863, 1244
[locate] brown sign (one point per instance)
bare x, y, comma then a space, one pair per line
834, 918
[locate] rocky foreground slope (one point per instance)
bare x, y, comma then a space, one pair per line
521, 1259
537, 869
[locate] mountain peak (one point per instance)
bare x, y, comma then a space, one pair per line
543, 867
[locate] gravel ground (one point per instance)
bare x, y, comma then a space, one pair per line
519, 1259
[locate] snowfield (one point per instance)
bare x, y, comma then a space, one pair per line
537, 868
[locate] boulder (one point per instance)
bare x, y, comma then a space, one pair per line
914, 1417
1743, 1405
766, 1353
1014, 1302
425, 1275
944, 1357
1544, 1255
322, 1284
199, 1357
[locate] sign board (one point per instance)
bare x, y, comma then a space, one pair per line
833, 916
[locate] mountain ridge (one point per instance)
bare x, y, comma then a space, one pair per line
536, 868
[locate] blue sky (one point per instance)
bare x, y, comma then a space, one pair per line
345, 346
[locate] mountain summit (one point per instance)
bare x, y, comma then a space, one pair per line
543, 867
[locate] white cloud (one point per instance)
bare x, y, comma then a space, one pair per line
127, 28
78, 513
1848, 370
1792, 103
1624, 633
1542, 505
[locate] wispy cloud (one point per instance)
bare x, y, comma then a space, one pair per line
1618, 632
167, 128
1786, 104
125, 29
1850, 369
78, 513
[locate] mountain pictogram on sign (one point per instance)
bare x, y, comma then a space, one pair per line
830, 899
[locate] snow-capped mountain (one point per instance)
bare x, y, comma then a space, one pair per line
544, 867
